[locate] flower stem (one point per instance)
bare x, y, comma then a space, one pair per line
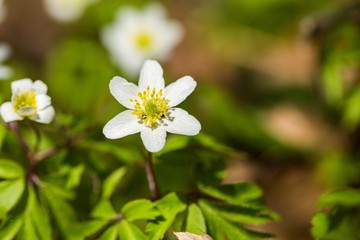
24, 146
32, 177
150, 174
37, 135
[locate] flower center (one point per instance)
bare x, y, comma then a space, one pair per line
25, 103
151, 107
143, 41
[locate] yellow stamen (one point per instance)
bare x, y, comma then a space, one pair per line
151, 107
143, 41
25, 101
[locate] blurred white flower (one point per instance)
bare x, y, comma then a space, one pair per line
151, 107
29, 100
67, 10
139, 35
191, 236
2, 11
5, 71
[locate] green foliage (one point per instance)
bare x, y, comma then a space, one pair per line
2, 134
140, 209
343, 169
111, 181
195, 221
12, 185
79, 75
340, 220
226, 206
169, 206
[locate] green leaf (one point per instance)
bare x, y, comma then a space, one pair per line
10, 169
213, 144
345, 197
195, 221
333, 81
174, 143
10, 193
104, 210
62, 211
129, 231
169, 206
351, 114
320, 225
112, 181
123, 154
28, 230
2, 134
58, 191
11, 228
244, 214
110, 234
220, 228
238, 194
76, 76
83, 230
233, 231
140, 209
37, 215
75, 176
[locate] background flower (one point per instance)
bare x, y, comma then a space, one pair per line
5, 71
151, 107
67, 10
29, 100
137, 35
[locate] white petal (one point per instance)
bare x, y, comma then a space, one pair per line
178, 91
127, 14
66, 10
5, 49
151, 74
123, 124
44, 116
123, 91
7, 112
42, 101
154, 10
182, 123
5, 72
153, 139
20, 86
39, 87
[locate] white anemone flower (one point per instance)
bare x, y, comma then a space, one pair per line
5, 71
29, 100
151, 107
67, 10
137, 35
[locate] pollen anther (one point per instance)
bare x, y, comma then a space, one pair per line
25, 103
151, 107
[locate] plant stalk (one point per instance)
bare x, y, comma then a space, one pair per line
150, 174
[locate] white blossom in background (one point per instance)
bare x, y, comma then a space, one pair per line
66, 10
151, 107
191, 236
137, 35
2, 11
29, 100
5, 71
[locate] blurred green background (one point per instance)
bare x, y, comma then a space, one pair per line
278, 84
